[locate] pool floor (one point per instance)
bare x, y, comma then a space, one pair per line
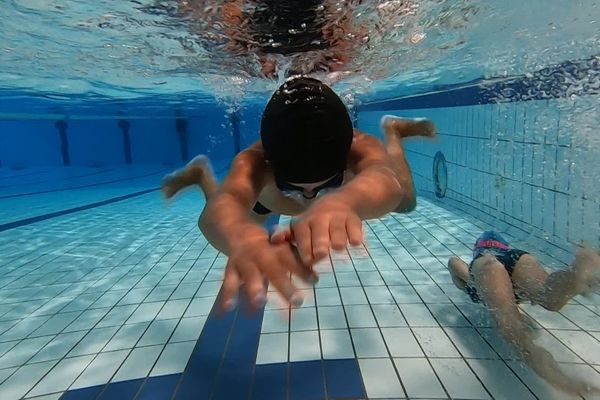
106, 292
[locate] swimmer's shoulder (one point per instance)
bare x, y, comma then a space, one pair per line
251, 162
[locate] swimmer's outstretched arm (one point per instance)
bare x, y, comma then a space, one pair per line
227, 225
376, 188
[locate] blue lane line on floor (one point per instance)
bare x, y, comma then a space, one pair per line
31, 220
59, 179
222, 367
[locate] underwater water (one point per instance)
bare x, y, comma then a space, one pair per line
107, 291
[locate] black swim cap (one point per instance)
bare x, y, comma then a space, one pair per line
306, 132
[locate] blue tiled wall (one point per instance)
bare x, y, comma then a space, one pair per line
529, 164
100, 142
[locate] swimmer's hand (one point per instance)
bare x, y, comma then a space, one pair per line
328, 223
255, 259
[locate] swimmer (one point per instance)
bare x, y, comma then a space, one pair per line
500, 277
311, 164
321, 30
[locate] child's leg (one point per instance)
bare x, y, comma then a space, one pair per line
459, 270
395, 129
553, 291
197, 172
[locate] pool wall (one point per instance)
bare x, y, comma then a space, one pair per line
525, 165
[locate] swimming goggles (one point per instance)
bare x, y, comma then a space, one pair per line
332, 183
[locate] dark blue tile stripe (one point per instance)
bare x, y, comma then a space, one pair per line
159, 388
306, 381
124, 126
270, 382
547, 83
125, 390
31, 220
89, 393
61, 126
235, 374
344, 380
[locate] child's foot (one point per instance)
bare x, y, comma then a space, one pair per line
587, 271
405, 127
192, 174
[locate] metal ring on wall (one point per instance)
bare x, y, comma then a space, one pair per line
440, 175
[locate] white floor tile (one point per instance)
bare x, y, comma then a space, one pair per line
380, 379
401, 342
336, 344
470, 343
404, 294
200, 306
138, 363
541, 388
435, 343
303, 319
127, 337
146, 312
388, 315
418, 378
549, 319
332, 317
499, 380
275, 321
448, 315
304, 346
6, 372
93, 342
458, 379
173, 309
379, 295
23, 351
418, 315
360, 316
581, 343
174, 358
368, 343
328, 297
24, 379
272, 348
158, 332
353, 295
62, 375
101, 369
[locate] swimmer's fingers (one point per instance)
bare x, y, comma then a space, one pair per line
302, 234
230, 288
291, 260
337, 231
355, 230
282, 234
274, 268
252, 278
320, 238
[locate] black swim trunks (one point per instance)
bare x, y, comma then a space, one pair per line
260, 209
491, 243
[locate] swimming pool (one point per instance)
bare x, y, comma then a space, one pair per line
108, 292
